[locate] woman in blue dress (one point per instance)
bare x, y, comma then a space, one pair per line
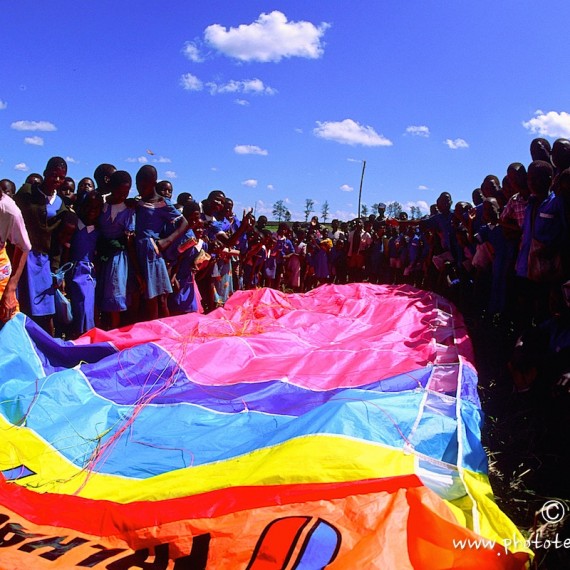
154, 214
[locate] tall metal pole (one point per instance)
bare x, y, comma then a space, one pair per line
360, 191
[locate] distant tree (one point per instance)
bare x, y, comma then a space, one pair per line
374, 208
325, 211
393, 209
364, 210
287, 216
279, 210
308, 208
415, 212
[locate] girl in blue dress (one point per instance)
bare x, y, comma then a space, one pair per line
116, 272
154, 214
47, 219
80, 280
321, 261
182, 254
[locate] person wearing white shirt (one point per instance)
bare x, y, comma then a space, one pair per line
13, 230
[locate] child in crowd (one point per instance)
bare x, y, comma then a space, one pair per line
102, 177
339, 261
183, 199
153, 214
67, 191
225, 225
222, 275
270, 265
85, 185
80, 281
284, 247
254, 261
45, 215
544, 236
375, 257
414, 259
115, 251
294, 263
182, 255
309, 279
203, 262
492, 233
165, 189
240, 245
7, 188
321, 261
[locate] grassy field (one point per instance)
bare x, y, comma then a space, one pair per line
528, 460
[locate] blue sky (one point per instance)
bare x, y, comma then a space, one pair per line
284, 100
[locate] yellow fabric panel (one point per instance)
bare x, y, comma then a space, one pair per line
333, 459
493, 523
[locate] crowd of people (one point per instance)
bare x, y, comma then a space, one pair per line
74, 259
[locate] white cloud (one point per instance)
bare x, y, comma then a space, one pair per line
350, 132
270, 38
22, 167
33, 126
423, 206
253, 86
456, 143
261, 209
250, 183
418, 131
170, 174
271, 187
191, 82
140, 159
248, 86
71, 160
3, 104
300, 131
241, 102
257, 86
354, 160
37, 141
297, 215
343, 215
551, 124
422, 187
192, 52
249, 149
162, 159
214, 169
346, 188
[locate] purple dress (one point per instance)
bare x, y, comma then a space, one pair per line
81, 280
37, 273
321, 264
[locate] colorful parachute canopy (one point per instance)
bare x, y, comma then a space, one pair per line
337, 429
